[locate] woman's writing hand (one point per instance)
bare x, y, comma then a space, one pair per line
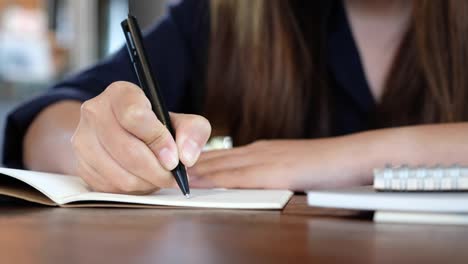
121, 147
280, 164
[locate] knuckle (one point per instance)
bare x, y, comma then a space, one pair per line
118, 85
88, 108
133, 116
92, 108
123, 88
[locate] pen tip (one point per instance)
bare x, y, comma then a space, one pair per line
187, 196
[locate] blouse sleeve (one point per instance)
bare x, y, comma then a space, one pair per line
169, 48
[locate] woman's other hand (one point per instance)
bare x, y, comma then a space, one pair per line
282, 164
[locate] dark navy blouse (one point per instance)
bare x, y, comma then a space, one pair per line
177, 48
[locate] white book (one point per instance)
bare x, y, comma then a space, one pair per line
366, 198
71, 191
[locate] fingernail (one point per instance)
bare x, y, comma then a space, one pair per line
191, 151
168, 159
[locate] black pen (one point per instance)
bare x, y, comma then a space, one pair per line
150, 86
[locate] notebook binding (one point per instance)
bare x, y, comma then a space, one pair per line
444, 178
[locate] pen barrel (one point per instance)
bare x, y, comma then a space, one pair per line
146, 77
153, 93
150, 86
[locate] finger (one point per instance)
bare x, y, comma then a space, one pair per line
229, 159
216, 154
128, 151
107, 174
133, 112
95, 181
243, 177
261, 147
192, 133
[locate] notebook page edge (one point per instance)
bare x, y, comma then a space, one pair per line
41, 180
367, 199
279, 199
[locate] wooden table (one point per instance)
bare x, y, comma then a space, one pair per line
298, 234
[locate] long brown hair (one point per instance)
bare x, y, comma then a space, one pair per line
267, 75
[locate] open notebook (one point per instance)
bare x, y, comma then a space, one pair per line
71, 191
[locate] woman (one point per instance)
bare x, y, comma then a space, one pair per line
314, 93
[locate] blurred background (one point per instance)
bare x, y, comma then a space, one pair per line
41, 41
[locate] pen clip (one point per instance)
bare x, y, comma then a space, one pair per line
131, 48
130, 43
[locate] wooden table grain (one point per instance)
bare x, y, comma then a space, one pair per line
298, 234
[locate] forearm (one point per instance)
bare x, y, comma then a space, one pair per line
46, 145
414, 145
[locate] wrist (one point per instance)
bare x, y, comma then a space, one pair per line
361, 156
377, 148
